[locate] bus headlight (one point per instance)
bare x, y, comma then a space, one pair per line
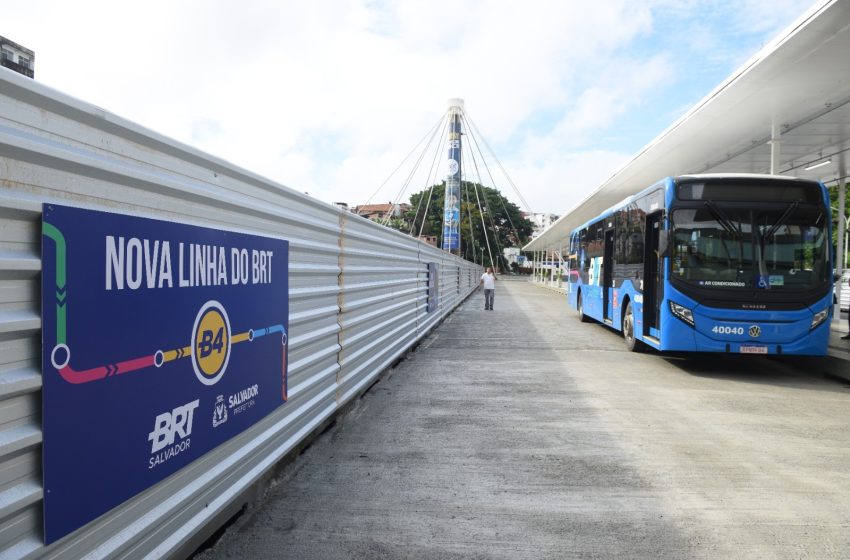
819, 318
682, 313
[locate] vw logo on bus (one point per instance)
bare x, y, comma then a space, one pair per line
755, 331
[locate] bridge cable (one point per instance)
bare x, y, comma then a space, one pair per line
492, 153
388, 216
493, 181
488, 208
465, 196
482, 209
429, 133
432, 173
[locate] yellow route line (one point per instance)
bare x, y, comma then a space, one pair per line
241, 337
171, 355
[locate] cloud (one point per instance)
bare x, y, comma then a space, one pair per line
329, 96
558, 184
621, 88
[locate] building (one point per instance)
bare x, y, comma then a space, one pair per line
540, 220
15, 57
378, 212
432, 240
513, 256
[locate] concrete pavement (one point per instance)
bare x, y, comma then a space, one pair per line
523, 433
838, 347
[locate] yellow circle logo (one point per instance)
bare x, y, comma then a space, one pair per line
211, 343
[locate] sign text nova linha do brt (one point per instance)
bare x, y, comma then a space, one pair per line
142, 263
161, 341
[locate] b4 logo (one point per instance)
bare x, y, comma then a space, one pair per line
211, 343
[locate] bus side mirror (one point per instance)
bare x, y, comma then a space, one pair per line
662, 243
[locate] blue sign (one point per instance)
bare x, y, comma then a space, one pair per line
451, 217
160, 342
451, 206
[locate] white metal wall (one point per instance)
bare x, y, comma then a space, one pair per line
357, 303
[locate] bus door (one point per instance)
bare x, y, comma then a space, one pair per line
653, 280
608, 277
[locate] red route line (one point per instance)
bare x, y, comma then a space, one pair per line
71, 375
138, 363
285, 381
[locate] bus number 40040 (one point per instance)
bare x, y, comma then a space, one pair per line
725, 329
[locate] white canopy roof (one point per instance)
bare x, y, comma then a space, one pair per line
797, 87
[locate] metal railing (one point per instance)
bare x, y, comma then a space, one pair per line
357, 296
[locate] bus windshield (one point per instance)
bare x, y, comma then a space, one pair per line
721, 245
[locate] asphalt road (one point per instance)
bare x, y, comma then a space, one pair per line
522, 433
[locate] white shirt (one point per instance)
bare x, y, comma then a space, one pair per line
489, 281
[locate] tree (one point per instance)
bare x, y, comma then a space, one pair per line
400, 224
833, 201
502, 220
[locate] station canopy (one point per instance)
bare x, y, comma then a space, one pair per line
796, 89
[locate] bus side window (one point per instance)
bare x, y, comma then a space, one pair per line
572, 259
584, 262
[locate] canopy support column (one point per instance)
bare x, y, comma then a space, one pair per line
840, 257
534, 267
841, 249
775, 149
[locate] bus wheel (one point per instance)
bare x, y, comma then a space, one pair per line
581, 316
632, 343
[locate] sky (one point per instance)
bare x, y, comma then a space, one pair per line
329, 97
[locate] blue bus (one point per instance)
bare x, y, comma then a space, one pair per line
710, 263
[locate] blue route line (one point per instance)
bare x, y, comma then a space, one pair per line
269, 330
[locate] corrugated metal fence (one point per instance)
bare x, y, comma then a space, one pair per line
357, 302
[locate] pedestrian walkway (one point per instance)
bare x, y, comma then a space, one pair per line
523, 433
838, 347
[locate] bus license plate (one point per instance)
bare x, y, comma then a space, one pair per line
753, 349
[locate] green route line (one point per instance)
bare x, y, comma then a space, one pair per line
53, 233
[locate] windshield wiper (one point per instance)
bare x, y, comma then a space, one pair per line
762, 240
781, 221
722, 219
732, 228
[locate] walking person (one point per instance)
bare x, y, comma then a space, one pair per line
488, 280
847, 287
